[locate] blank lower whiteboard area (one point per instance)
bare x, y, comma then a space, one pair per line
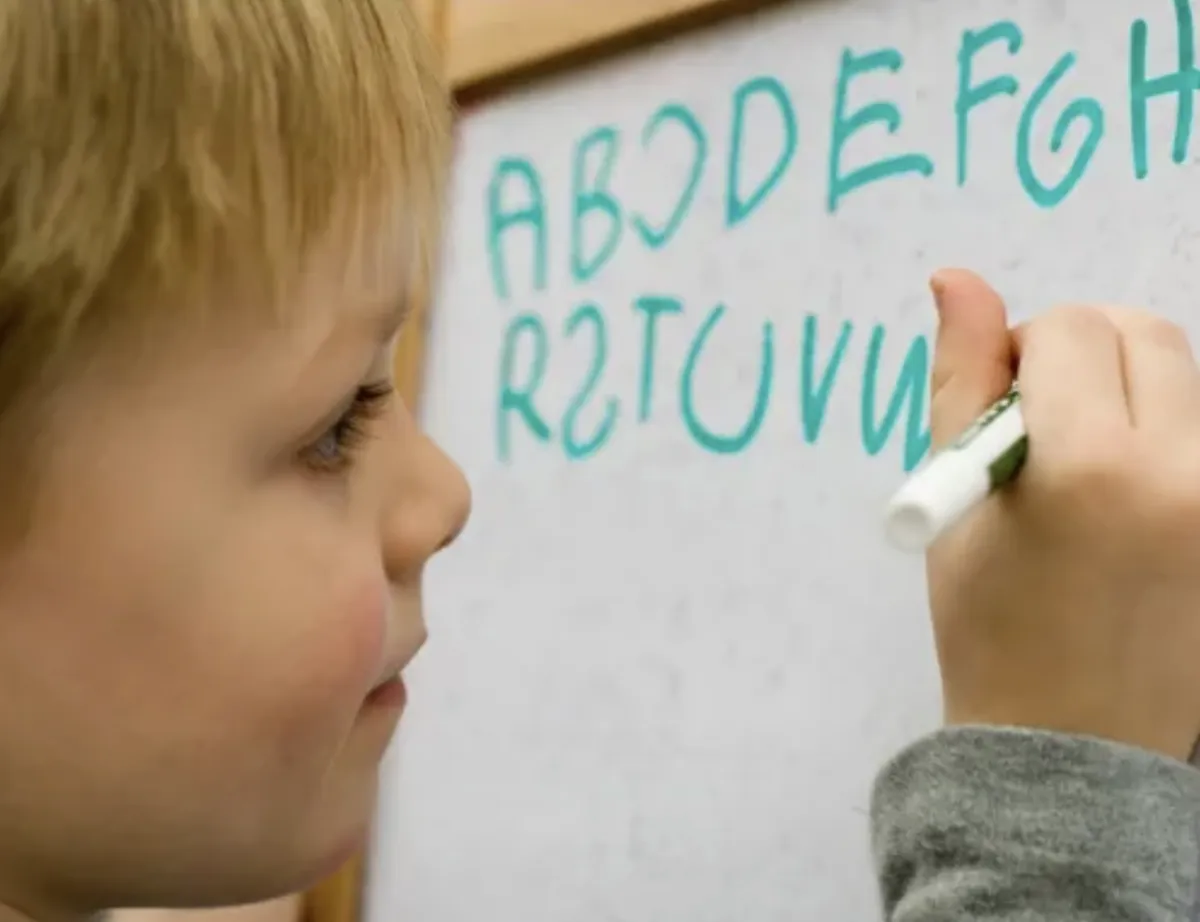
681, 348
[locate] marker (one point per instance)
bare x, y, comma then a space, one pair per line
986, 456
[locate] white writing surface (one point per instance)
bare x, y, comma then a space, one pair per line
681, 347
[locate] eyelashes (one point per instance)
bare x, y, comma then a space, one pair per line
337, 448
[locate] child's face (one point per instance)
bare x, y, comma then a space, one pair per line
210, 591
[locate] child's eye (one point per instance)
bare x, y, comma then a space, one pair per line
335, 450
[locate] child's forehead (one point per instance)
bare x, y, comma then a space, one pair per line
363, 277
351, 295
360, 275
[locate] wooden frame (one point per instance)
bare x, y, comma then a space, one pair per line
486, 45
492, 43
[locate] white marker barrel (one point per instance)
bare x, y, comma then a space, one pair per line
986, 456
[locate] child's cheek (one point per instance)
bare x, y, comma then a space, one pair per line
365, 623
344, 648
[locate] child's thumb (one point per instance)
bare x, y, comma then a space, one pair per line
973, 356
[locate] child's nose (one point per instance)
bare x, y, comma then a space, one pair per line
431, 507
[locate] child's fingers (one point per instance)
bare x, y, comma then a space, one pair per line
973, 354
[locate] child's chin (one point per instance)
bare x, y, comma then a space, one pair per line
337, 857
280, 872
290, 862
286, 877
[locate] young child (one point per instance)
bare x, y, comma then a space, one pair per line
213, 217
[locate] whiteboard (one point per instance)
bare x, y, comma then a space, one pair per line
671, 650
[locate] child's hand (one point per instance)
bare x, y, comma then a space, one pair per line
1071, 601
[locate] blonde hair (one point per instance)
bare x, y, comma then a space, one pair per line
145, 145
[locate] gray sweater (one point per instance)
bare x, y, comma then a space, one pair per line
994, 825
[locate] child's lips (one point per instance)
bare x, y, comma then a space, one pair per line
390, 693
389, 689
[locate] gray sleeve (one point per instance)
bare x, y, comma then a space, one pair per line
995, 825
